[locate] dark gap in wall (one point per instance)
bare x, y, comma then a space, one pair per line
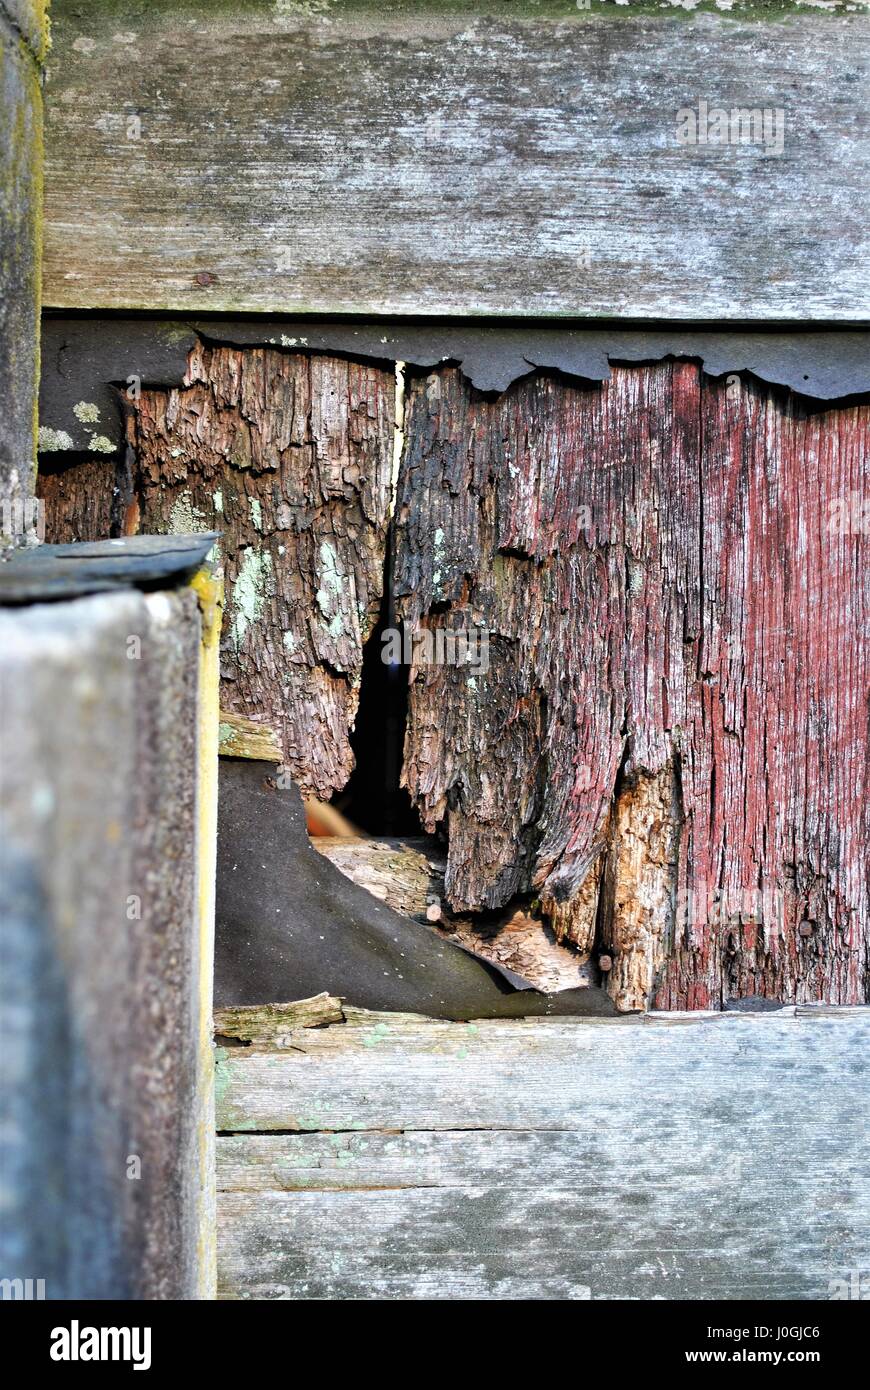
373, 800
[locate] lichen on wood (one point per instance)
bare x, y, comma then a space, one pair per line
290, 457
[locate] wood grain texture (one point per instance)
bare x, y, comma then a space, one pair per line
20, 206
80, 501
665, 756
290, 457
101, 937
672, 573
269, 1023
522, 1160
501, 160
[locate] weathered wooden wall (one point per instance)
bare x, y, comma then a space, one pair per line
674, 578
512, 158
392, 1157
107, 1188
290, 457
667, 754
23, 38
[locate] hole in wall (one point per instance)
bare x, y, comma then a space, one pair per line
373, 799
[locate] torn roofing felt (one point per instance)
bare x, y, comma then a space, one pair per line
85, 360
290, 925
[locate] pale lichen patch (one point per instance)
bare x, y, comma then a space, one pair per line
249, 592
50, 441
100, 444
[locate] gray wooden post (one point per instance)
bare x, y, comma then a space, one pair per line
22, 50
108, 745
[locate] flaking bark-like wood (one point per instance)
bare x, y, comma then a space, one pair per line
268, 1023
677, 618
80, 501
290, 457
667, 756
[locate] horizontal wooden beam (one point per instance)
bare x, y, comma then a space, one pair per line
481, 160
661, 1157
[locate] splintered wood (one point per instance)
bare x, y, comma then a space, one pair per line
669, 743
650, 755
290, 457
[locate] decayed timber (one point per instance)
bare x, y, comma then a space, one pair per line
408, 875
246, 738
672, 573
521, 1159
462, 159
269, 1023
290, 458
80, 501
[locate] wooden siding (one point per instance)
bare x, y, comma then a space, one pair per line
391, 1157
461, 159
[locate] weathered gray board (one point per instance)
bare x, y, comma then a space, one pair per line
663, 1157
104, 1103
470, 159
22, 46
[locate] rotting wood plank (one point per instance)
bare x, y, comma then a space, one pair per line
79, 500
670, 573
524, 1160
669, 570
269, 1023
519, 161
290, 457
408, 875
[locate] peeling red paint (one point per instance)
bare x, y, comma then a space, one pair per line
655, 563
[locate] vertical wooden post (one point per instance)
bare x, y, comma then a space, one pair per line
23, 44
209, 591
108, 753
